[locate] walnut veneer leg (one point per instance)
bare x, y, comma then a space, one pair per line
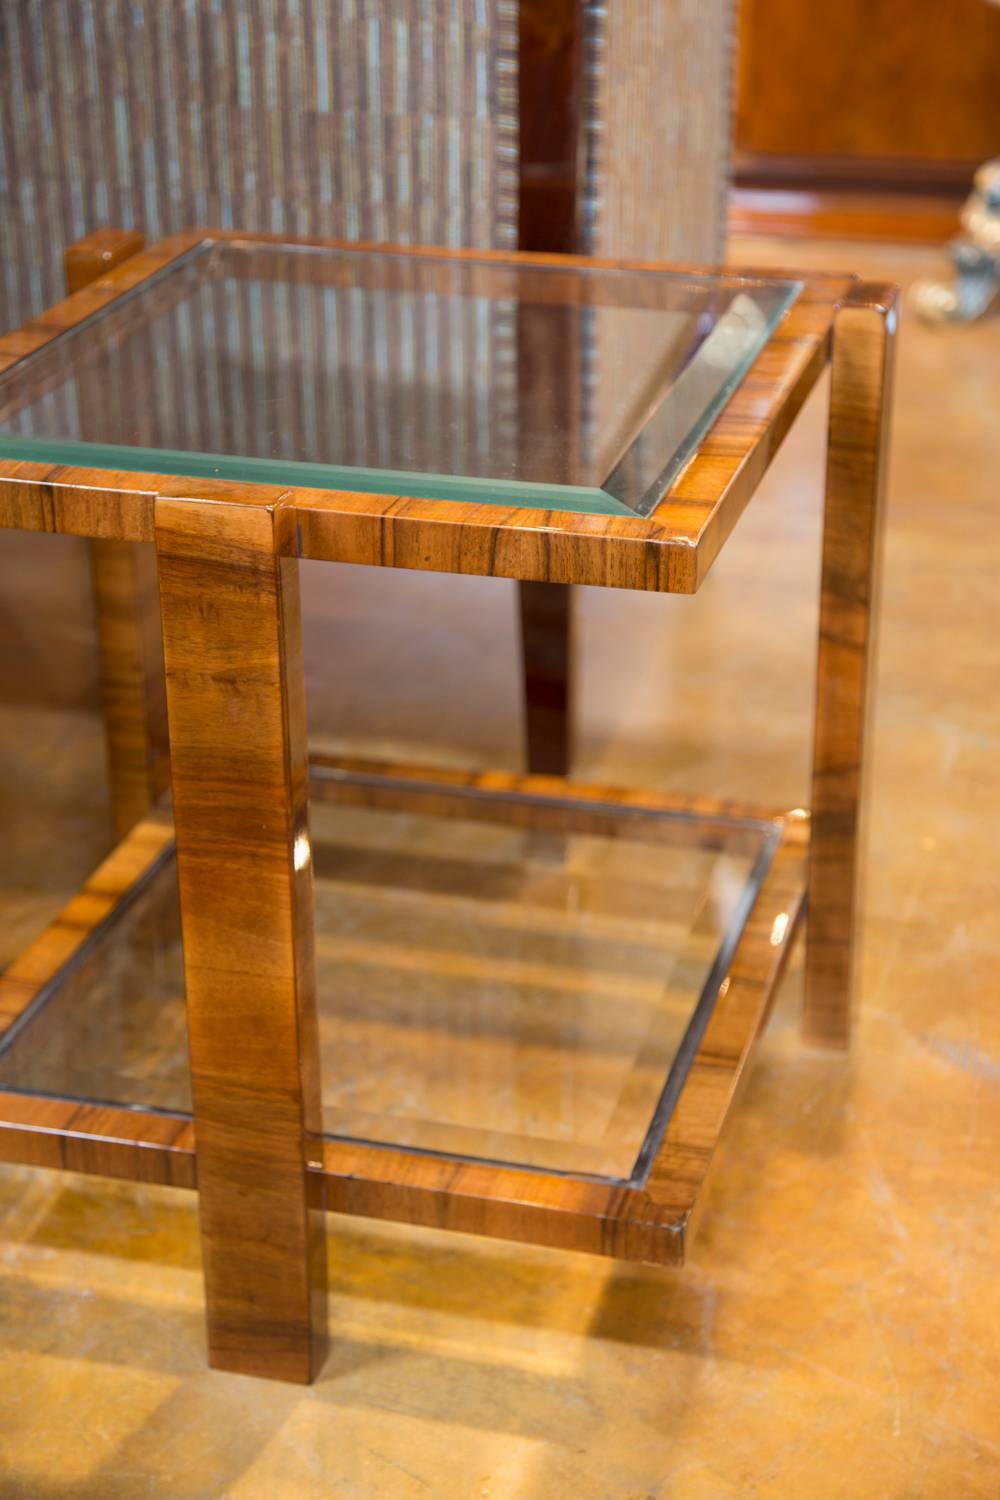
235, 693
87, 259
545, 658
127, 601
859, 406
128, 610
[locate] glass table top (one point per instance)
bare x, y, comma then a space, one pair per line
556, 387
486, 991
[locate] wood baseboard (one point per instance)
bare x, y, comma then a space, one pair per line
911, 218
871, 174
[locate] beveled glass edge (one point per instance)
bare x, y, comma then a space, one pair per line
704, 413
396, 483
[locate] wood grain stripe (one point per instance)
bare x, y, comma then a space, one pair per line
860, 400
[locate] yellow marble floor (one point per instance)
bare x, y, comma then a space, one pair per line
838, 1331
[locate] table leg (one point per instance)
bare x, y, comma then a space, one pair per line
859, 405
545, 610
134, 703
236, 697
96, 254
128, 608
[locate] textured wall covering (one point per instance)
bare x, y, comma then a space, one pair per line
381, 119
656, 127
367, 119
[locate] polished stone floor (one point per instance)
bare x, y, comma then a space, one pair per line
837, 1333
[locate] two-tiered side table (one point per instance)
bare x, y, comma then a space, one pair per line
512, 1006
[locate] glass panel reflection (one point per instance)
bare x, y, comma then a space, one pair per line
567, 388
488, 991
55, 809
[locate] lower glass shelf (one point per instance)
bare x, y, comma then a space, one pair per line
53, 797
503, 978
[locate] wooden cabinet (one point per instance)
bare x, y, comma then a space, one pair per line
889, 93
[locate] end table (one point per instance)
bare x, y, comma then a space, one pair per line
514, 1006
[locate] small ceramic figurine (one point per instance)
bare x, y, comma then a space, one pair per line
976, 257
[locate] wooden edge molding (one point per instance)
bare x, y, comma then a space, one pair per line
853, 524
133, 1144
390, 783
96, 254
897, 217
876, 296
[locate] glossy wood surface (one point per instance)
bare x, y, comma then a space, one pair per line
127, 602
671, 551
871, 88
852, 528
235, 692
63, 1135
872, 176
87, 259
904, 218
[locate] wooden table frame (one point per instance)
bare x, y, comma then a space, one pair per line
240, 769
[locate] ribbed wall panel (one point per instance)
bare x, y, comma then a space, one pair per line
361, 119
656, 127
